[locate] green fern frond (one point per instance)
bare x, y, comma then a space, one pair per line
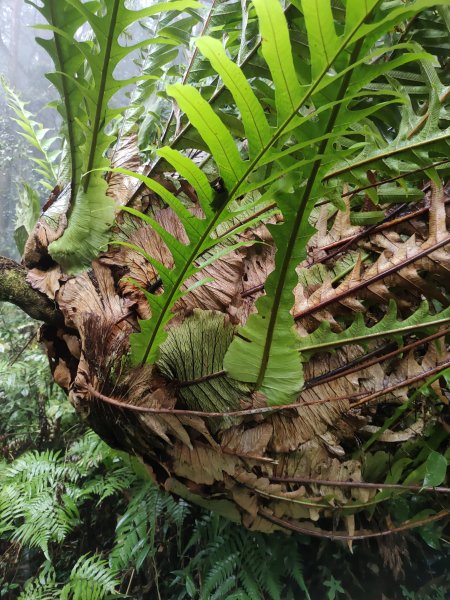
136, 529
36, 134
415, 140
43, 586
117, 479
264, 353
85, 79
92, 578
30, 510
357, 333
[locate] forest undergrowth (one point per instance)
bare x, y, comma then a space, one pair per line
80, 520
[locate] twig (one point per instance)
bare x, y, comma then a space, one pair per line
361, 235
197, 380
404, 383
264, 409
381, 226
343, 371
347, 242
371, 280
361, 484
351, 367
22, 350
338, 535
129, 583
391, 179
201, 413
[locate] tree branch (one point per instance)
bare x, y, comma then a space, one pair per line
15, 289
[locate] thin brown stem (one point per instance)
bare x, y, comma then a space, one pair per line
16, 357
361, 235
404, 383
202, 379
201, 413
379, 227
339, 535
349, 241
361, 484
391, 179
130, 582
361, 285
265, 409
344, 372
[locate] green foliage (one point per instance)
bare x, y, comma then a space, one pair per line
26, 387
309, 127
435, 469
335, 588
299, 137
149, 513
37, 135
89, 578
41, 500
100, 524
432, 593
43, 586
389, 326
230, 562
265, 351
28, 510
302, 119
196, 349
403, 152
47, 159
149, 111
85, 79
145, 345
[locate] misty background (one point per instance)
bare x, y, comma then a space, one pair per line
24, 64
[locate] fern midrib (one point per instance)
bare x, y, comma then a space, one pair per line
70, 117
299, 217
192, 257
367, 336
178, 282
362, 284
387, 154
280, 62
324, 46
189, 68
101, 91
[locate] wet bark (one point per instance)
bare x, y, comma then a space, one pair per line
14, 288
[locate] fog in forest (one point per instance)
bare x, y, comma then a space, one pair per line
23, 63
